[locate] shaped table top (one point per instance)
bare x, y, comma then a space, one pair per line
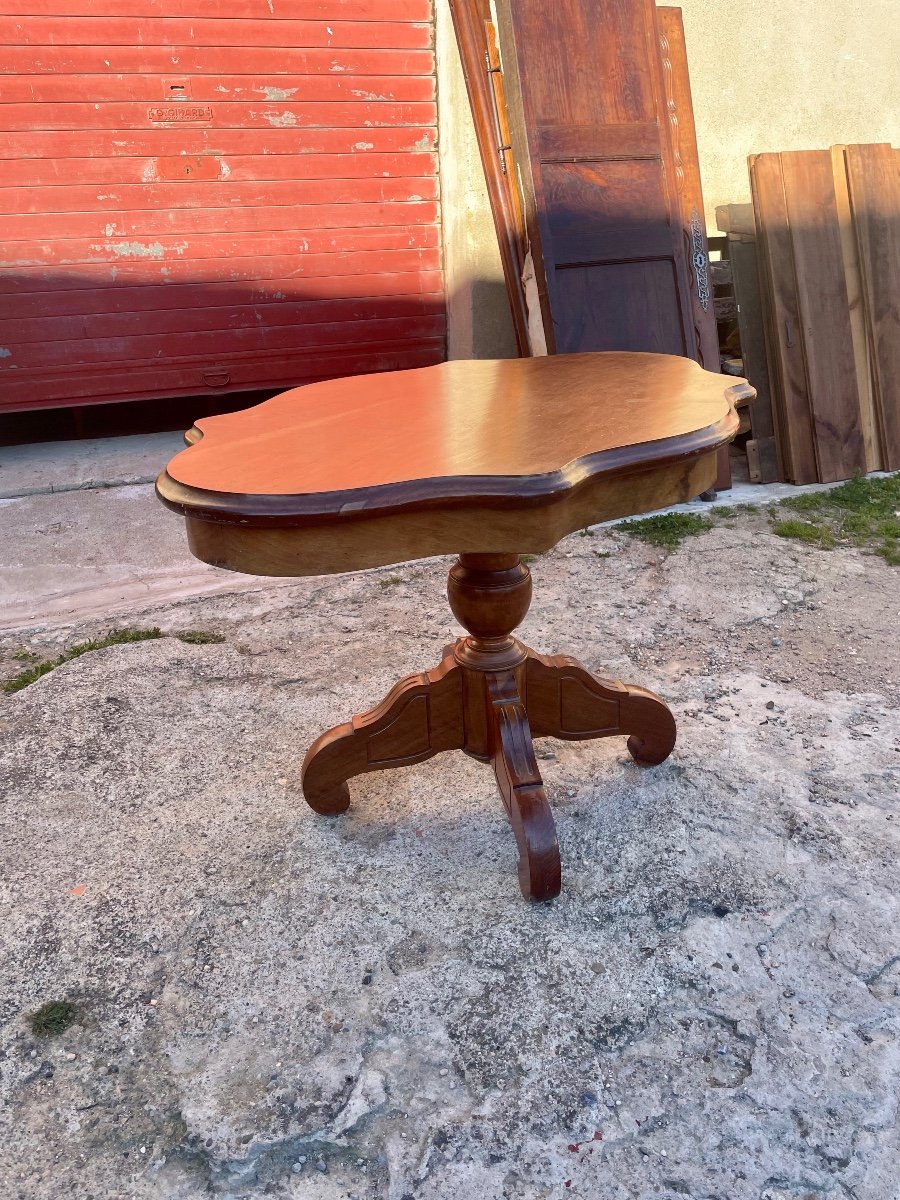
515, 430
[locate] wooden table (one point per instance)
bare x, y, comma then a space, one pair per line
486, 460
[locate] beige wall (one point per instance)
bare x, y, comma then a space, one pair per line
765, 75
479, 324
805, 75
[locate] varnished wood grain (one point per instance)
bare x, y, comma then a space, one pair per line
490, 696
487, 459
514, 431
853, 281
588, 116
688, 184
792, 409
355, 541
824, 313
874, 177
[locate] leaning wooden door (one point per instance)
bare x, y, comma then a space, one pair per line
588, 114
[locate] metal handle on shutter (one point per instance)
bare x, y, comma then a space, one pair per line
498, 129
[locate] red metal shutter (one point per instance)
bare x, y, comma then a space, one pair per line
198, 203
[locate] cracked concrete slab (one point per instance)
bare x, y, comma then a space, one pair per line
276, 1004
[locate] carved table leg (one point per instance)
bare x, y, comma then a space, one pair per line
522, 789
489, 695
420, 717
565, 700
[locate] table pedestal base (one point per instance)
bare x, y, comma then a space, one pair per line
489, 697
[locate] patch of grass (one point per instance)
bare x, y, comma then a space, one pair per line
585, 532
863, 512
669, 529
53, 1018
747, 508
722, 510
391, 581
199, 637
529, 558
115, 637
25, 655
805, 531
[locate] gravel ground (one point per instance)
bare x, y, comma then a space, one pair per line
275, 1004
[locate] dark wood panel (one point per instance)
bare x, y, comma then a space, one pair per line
688, 186
742, 255
874, 179
599, 212
590, 137
558, 142
824, 313
620, 306
784, 342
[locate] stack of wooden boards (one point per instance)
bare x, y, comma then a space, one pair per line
828, 242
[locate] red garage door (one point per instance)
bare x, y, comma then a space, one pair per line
214, 203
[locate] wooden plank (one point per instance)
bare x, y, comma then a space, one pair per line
159, 143
210, 31
62, 199
74, 253
742, 257
737, 219
257, 168
284, 220
874, 182
166, 115
824, 313
13, 282
191, 61
688, 185
793, 416
481, 66
853, 280
209, 343
228, 373
332, 87
272, 10
242, 314
254, 294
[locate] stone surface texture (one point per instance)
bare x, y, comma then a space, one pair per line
272, 1003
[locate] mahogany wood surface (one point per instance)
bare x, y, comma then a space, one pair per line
484, 458
461, 456
589, 115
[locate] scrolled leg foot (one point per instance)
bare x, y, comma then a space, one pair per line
567, 701
652, 727
522, 789
421, 716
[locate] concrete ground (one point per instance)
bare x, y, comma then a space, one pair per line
271, 1003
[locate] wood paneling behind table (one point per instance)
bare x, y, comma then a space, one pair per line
874, 178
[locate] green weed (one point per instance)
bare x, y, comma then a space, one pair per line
53, 1018
863, 512
116, 637
669, 529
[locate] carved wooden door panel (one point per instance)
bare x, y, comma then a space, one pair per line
589, 119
